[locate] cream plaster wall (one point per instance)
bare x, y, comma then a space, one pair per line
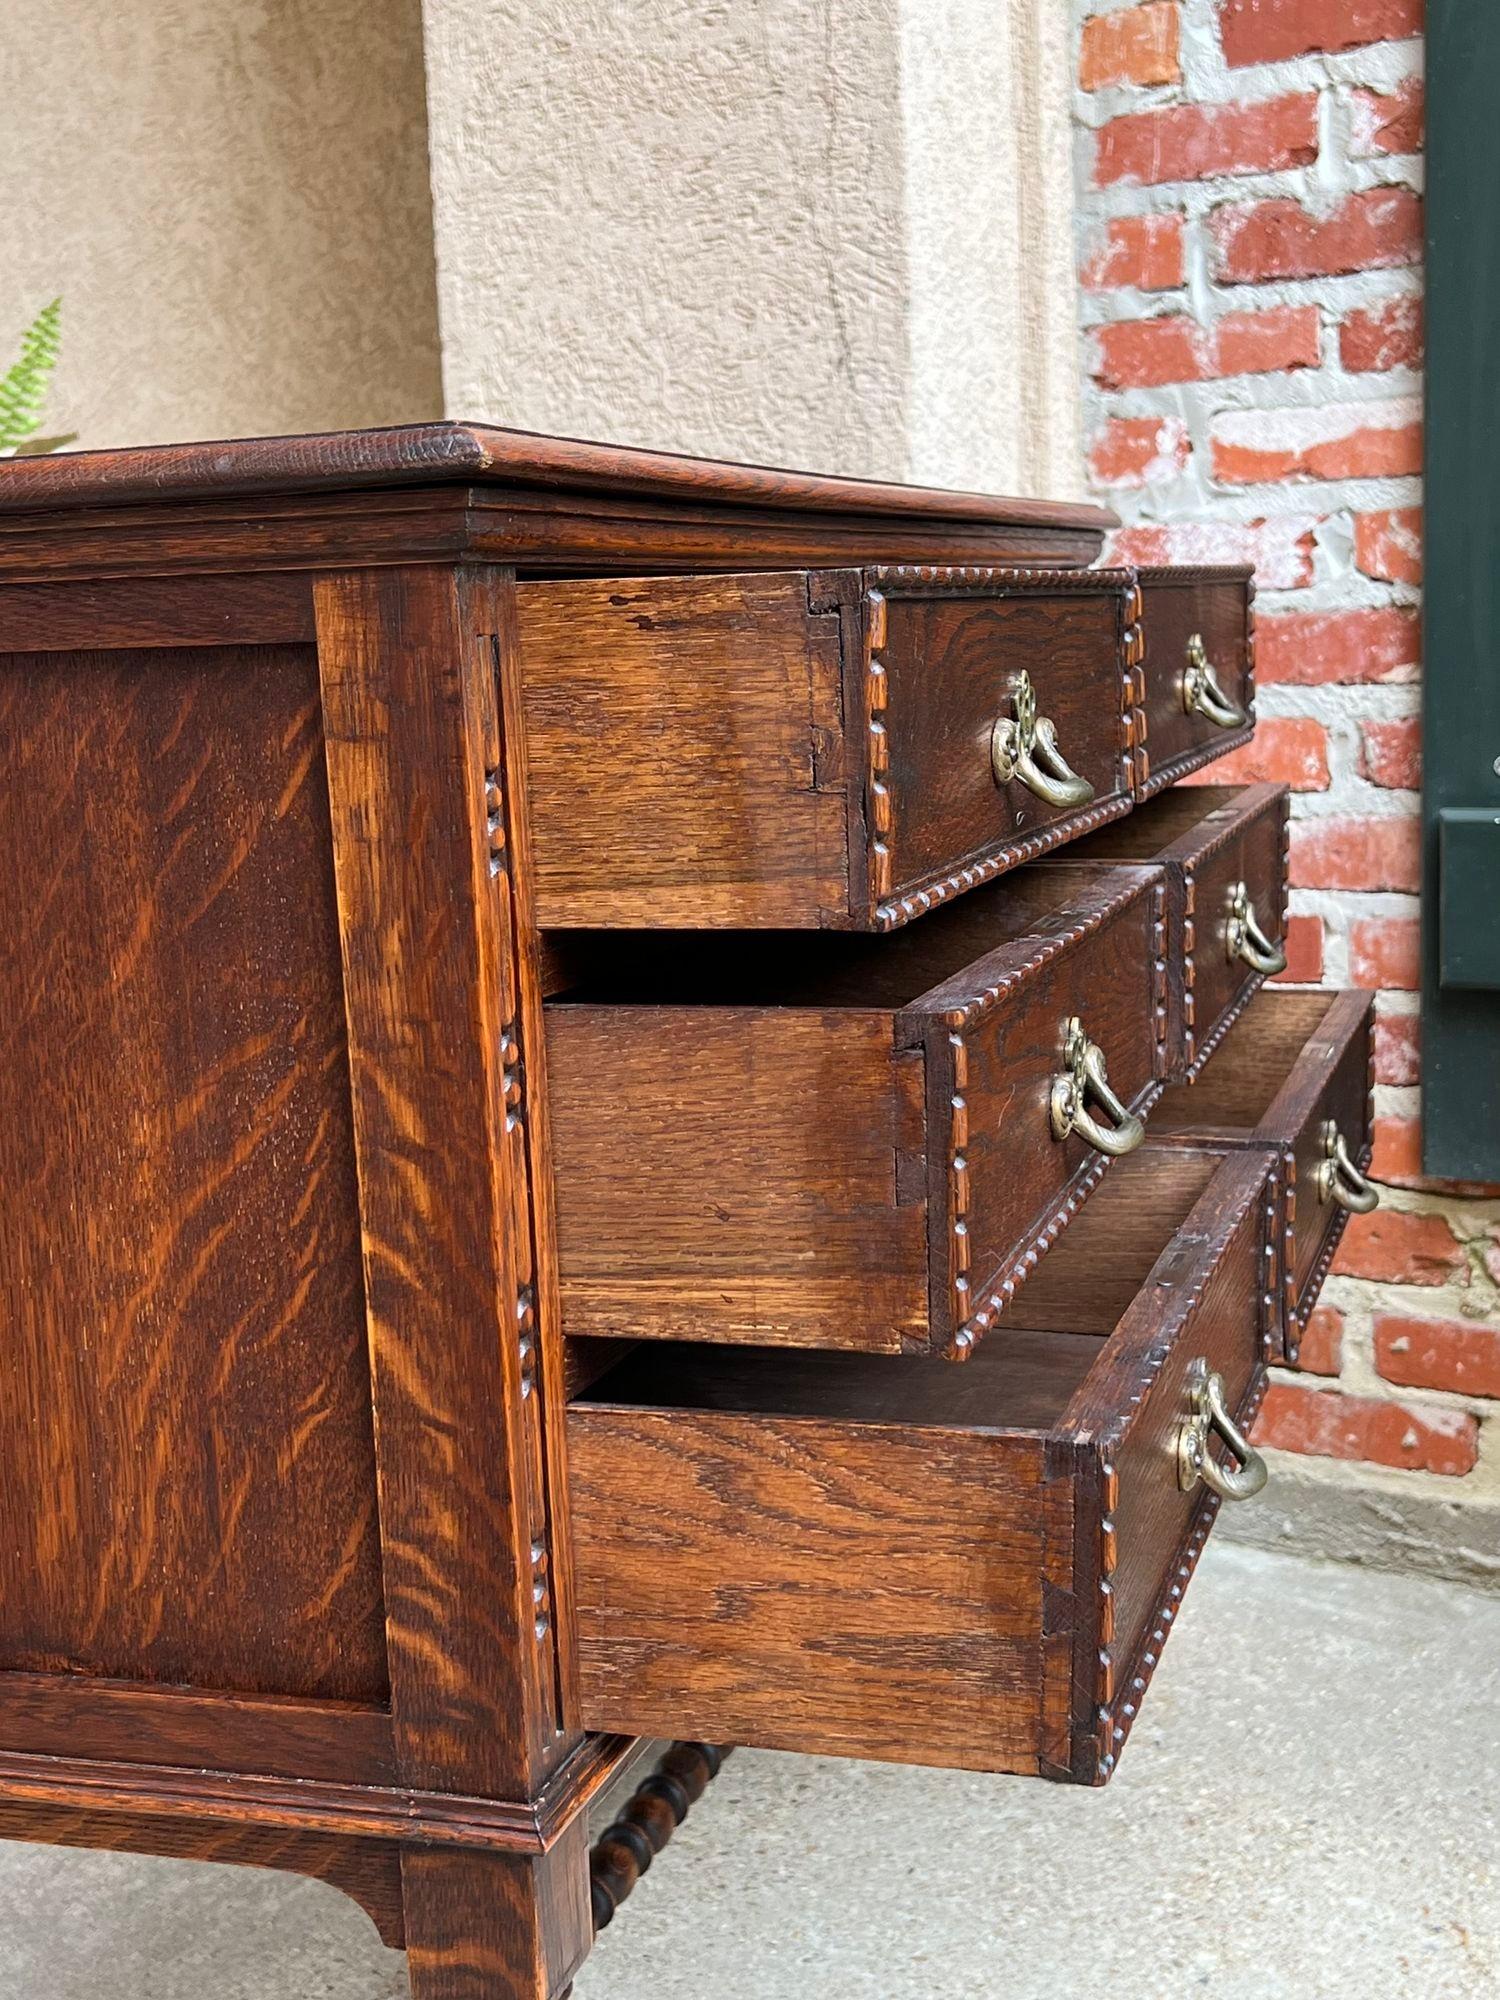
674, 222
232, 198
829, 233
993, 371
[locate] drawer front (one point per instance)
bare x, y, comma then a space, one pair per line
878, 1175
1219, 956
784, 1561
814, 750
1223, 850
1293, 1077
1049, 658
1342, 1105
1197, 670
1151, 1533
1005, 1183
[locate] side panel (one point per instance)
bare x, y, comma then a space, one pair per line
733, 1174
185, 1398
849, 1590
688, 763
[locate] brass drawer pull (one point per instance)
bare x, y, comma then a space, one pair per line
1026, 748
1083, 1077
1207, 1413
1201, 693
1340, 1180
1244, 938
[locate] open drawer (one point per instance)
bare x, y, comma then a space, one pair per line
847, 1142
816, 749
973, 1567
1295, 1075
1223, 849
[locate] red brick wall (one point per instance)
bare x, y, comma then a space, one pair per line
1251, 228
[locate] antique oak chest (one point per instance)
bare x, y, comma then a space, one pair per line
550, 995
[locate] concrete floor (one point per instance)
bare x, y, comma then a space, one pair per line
1307, 1808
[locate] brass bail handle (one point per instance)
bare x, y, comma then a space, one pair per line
1339, 1177
1244, 938
1084, 1076
1201, 693
1025, 747
1208, 1414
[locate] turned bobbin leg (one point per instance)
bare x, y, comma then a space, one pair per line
483, 1926
626, 1849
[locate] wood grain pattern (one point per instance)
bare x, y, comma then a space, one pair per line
944, 651
184, 1413
369, 1872
690, 754
119, 612
1205, 838
496, 1927
450, 492
806, 749
460, 1346
424, 454
1218, 605
1294, 1061
781, 1162
833, 1553
80, 1715
747, 1185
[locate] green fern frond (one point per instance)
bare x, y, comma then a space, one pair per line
23, 391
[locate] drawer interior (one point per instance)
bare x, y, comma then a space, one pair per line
1027, 1382
969, 1566
1238, 1088
822, 970
1158, 823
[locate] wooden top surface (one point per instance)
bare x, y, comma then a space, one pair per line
477, 454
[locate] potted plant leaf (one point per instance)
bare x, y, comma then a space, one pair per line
23, 390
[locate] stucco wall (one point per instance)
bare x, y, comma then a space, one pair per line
831, 233
231, 196
992, 394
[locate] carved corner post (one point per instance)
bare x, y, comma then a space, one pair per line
425, 781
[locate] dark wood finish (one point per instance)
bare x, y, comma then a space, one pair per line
1206, 838
628, 1845
285, 1556
465, 1366
808, 749
968, 1567
1295, 1061
841, 1142
481, 1925
121, 1721
180, 1264
119, 613
367, 1871
448, 492
1217, 605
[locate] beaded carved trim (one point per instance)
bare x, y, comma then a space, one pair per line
972, 1318
1043, 951
1207, 753
936, 580
892, 909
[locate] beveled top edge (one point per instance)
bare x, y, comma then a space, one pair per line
432, 453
